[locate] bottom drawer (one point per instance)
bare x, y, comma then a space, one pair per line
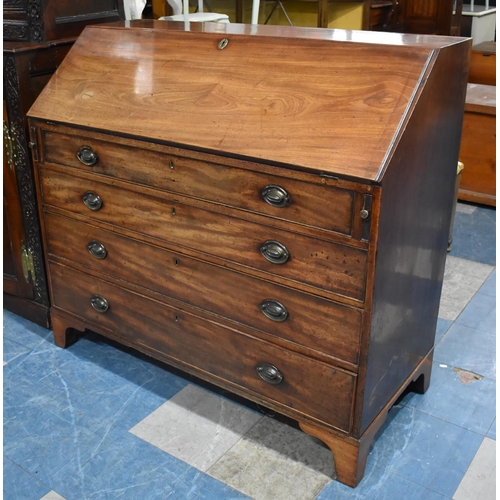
307, 386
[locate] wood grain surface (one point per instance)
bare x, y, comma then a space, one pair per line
331, 107
261, 30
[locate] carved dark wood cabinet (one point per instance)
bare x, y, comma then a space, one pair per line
29, 60
41, 20
26, 70
265, 207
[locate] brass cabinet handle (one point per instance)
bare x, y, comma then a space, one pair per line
276, 196
274, 310
274, 252
97, 250
269, 373
92, 200
87, 156
100, 304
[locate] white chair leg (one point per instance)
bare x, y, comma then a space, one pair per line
200, 5
255, 11
126, 8
176, 6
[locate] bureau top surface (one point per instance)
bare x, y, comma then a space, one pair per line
325, 100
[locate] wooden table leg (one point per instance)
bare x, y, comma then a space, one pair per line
159, 8
239, 10
322, 13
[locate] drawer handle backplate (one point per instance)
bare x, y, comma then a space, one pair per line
96, 249
274, 252
269, 373
276, 196
87, 156
100, 304
92, 200
274, 310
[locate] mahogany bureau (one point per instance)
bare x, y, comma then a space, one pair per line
264, 207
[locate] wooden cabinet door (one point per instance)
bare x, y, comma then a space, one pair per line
429, 16
14, 281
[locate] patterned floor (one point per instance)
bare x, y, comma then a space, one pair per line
98, 421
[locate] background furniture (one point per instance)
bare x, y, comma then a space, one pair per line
181, 13
478, 146
378, 14
27, 67
244, 236
479, 21
134, 8
256, 8
460, 169
483, 64
160, 8
324, 10
336, 13
40, 20
436, 17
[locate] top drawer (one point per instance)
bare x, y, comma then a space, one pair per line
309, 204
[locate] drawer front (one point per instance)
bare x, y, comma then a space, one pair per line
318, 324
333, 267
310, 204
308, 386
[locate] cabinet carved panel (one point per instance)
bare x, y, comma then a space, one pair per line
41, 20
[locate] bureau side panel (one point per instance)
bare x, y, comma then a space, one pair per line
416, 207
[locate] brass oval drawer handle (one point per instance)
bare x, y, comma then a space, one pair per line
92, 200
276, 196
87, 156
269, 373
274, 252
100, 304
274, 310
97, 250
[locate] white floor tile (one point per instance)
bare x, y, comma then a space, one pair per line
52, 495
196, 426
276, 462
466, 209
479, 481
462, 279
